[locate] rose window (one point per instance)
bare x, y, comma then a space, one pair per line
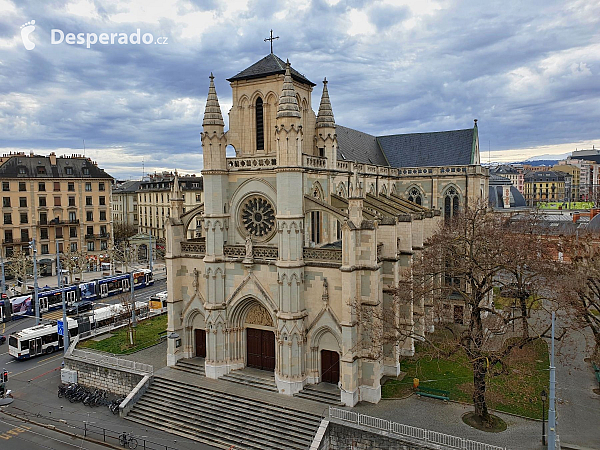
258, 216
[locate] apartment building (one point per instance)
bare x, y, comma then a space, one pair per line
516, 176
154, 204
545, 186
125, 203
54, 199
572, 187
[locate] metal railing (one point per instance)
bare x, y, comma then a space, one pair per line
113, 361
409, 431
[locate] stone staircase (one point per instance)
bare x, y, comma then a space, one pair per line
194, 365
322, 393
255, 378
221, 419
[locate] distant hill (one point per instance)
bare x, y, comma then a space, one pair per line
541, 162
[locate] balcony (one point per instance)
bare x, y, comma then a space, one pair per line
12, 241
55, 222
92, 236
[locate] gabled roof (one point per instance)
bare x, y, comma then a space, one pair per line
357, 146
442, 148
127, 186
269, 65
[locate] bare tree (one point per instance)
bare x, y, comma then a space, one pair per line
123, 231
127, 310
20, 265
74, 262
460, 266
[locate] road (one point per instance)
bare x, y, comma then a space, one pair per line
16, 434
15, 366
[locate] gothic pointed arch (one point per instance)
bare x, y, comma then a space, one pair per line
415, 194
452, 201
259, 124
341, 190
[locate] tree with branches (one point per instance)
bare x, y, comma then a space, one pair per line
20, 266
123, 231
460, 266
74, 262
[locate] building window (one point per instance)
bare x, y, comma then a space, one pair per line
88, 187
102, 200
22, 171
89, 216
6, 202
60, 247
25, 250
59, 232
24, 218
68, 170
414, 195
56, 186
73, 246
102, 215
86, 171
338, 230
260, 133
5, 186
100, 186
72, 216
43, 233
42, 186
56, 201
22, 202
90, 246
8, 237
103, 245
43, 218
41, 170
42, 201
322, 152
45, 249
315, 225
7, 218
88, 201
102, 230
22, 187
198, 198
89, 231
24, 235
451, 203
71, 187
73, 232
9, 252
71, 201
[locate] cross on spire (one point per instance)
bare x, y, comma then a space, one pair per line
271, 39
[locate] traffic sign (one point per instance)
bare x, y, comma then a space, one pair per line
61, 328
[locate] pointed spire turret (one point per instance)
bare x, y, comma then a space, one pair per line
325, 115
212, 112
288, 103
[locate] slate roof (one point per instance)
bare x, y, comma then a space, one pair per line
357, 146
38, 166
435, 149
505, 170
127, 186
548, 175
269, 65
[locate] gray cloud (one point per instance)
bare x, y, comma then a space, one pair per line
527, 71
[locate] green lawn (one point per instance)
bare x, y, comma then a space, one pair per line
501, 302
146, 335
517, 392
565, 205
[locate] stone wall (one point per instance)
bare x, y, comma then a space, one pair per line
343, 437
113, 380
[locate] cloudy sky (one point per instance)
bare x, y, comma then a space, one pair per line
528, 70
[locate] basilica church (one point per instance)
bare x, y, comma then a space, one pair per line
308, 219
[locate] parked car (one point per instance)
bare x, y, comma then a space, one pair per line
85, 305
2, 339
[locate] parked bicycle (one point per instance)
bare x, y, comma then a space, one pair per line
127, 440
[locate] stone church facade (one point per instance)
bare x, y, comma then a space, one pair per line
305, 221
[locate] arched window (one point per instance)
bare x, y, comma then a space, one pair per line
260, 131
451, 203
315, 216
415, 196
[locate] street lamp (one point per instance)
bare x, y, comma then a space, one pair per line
38, 313
544, 397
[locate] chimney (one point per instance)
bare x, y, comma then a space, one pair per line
52, 157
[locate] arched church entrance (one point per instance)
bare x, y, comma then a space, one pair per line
330, 366
200, 340
260, 338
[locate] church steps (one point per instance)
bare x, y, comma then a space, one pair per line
317, 395
185, 366
189, 388
213, 416
250, 380
203, 406
228, 431
201, 434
